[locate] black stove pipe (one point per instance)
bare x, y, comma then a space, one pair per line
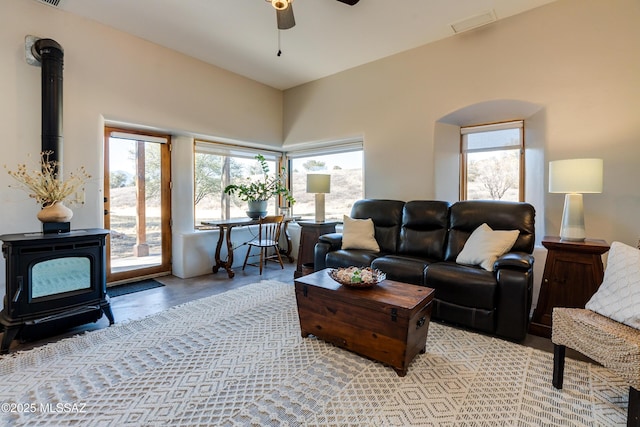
51, 56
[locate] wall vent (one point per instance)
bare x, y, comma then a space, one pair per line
474, 22
54, 3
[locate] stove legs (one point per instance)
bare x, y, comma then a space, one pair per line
9, 335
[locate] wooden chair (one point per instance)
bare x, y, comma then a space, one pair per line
615, 345
268, 237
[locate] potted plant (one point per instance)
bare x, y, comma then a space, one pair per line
258, 192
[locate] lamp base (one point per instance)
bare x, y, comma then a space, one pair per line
572, 239
319, 207
572, 228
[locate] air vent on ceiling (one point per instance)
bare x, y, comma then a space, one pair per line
54, 3
474, 22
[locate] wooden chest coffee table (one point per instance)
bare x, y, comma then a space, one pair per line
388, 322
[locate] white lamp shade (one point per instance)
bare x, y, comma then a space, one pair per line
576, 176
318, 183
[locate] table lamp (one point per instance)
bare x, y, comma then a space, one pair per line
574, 177
319, 184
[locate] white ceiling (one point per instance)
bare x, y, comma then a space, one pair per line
329, 36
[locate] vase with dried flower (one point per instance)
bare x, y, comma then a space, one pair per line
48, 188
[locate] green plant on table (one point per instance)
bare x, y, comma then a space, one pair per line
264, 188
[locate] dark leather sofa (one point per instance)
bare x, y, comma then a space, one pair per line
419, 243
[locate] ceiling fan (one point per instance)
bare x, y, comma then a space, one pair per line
284, 12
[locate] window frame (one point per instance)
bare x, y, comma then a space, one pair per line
489, 127
205, 146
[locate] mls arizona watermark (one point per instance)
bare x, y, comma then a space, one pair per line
43, 407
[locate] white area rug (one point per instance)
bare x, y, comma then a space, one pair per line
238, 359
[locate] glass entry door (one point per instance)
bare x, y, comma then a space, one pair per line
137, 204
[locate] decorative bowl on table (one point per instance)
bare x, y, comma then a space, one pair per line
357, 277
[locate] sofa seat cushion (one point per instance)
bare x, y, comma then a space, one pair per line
402, 268
462, 285
350, 257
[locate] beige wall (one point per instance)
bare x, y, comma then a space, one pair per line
576, 59
111, 76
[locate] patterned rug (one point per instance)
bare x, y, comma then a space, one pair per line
238, 359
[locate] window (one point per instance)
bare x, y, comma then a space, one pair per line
217, 165
343, 162
492, 162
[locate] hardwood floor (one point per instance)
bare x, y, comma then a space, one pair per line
175, 292
179, 291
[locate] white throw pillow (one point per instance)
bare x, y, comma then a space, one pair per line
485, 245
619, 295
359, 234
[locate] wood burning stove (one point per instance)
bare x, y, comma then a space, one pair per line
58, 278
53, 278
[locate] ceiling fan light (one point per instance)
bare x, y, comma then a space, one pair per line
280, 4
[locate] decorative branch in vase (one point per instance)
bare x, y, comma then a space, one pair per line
258, 192
48, 188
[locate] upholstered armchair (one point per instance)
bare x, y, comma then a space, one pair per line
607, 330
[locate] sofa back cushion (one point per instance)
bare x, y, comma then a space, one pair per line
465, 216
387, 219
424, 229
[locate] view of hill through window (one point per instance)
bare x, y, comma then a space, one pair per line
346, 183
492, 162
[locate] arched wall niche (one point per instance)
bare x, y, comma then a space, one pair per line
447, 148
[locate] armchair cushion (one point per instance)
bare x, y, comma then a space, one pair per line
485, 245
359, 234
619, 295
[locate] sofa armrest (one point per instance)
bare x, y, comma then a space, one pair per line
333, 239
326, 243
515, 290
514, 261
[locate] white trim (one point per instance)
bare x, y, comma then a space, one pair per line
475, 130
343, 147
492, 127
222, 149
301, 146
138, 137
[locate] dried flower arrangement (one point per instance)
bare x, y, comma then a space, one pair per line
45, 185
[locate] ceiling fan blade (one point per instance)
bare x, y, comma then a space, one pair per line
285, 18
349, 2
